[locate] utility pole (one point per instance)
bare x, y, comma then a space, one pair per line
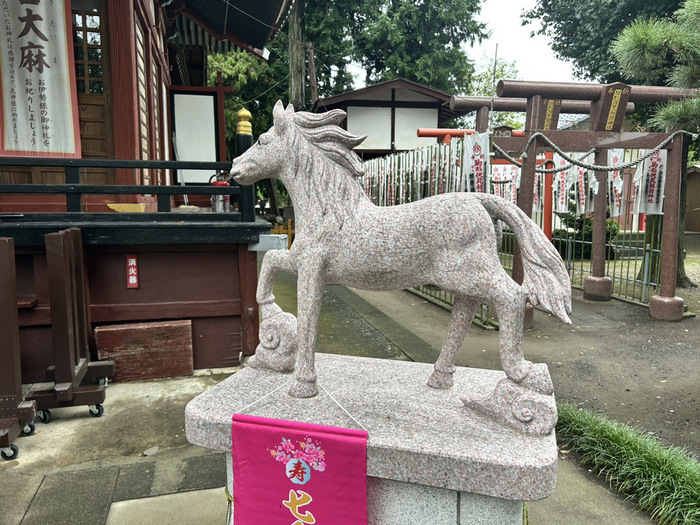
297, 65
313, 81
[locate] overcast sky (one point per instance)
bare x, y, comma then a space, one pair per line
533, 56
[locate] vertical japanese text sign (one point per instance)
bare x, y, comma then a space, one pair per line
132, 271
288, 473
38, 99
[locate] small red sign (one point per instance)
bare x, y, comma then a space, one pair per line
132, 271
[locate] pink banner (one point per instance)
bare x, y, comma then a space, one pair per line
290, 473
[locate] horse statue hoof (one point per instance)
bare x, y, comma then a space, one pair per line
538, 379
440, 380
278, 343
303, 389
512, 405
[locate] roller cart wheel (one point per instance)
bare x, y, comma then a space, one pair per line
44, 415
9, 453
29, 429
103, 381
96, 410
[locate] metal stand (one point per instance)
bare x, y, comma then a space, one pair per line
16, 415
70, 326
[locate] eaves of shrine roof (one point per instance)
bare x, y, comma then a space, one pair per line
248, 24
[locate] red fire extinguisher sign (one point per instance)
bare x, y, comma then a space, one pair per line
132, 271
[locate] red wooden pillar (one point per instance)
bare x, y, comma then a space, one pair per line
525, 200
666, 306
122, 54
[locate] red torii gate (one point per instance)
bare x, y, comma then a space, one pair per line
606, 105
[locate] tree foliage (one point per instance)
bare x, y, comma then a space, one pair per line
481, 84
330, 27
665, 51
417, 40
257, 85
414, 39
582, 31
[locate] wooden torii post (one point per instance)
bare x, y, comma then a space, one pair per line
607, 105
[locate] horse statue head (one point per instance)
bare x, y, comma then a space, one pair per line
294, 136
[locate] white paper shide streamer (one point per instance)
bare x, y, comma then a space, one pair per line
616, 183
476, 161
650, 183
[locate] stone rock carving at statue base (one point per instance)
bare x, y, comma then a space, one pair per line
450, 240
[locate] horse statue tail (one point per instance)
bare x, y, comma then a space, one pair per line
545, 278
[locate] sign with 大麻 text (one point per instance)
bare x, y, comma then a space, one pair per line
38, 100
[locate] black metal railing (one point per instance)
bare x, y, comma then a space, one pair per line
73, 189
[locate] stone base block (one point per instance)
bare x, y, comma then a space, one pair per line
426, 451
597, 288
666, 308
147, 350
391, 502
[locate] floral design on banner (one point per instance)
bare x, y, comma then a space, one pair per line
299, 459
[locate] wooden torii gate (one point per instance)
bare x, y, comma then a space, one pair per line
607, 105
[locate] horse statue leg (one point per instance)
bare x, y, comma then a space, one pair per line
278, 329
463, 311
523, 400
274, 262
310, 285
511, 316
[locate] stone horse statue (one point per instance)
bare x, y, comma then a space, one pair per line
448, 240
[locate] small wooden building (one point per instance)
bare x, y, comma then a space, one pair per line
131, 57
390, 113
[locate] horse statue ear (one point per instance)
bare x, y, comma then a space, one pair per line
279, 115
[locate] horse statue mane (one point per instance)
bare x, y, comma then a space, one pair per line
322, 130
331, 178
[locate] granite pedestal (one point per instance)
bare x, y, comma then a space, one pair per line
429, 458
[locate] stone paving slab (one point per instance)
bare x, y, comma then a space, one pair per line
204, 472
203, 507
134, 481
80, 497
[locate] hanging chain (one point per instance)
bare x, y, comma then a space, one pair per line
579, 162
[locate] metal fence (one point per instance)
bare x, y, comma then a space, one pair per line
632, 241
